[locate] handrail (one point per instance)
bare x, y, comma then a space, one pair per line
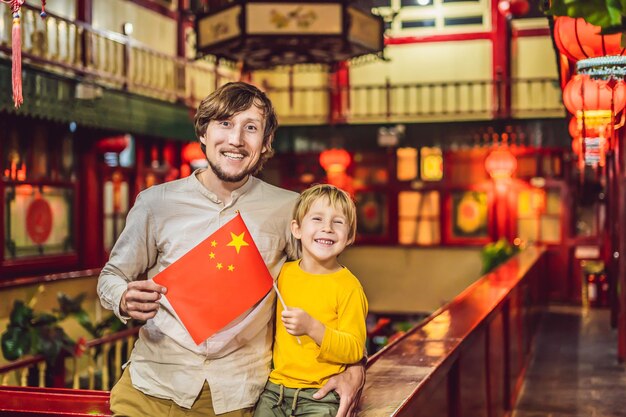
44, 279
430, 356
114, 340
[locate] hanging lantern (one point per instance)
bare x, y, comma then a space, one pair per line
576, 145
335, 160
114, 144
192, 152
573, 127
578, 39
582, 94
501, 164
513, 8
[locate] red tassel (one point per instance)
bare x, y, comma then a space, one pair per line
16, 46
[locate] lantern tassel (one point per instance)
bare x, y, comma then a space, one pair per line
16, 57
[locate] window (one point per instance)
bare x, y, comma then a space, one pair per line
415, 17
37, 190
38, 221
115, 208
539, 215
419, 218
468, 217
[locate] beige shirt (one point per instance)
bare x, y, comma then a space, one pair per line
166, 222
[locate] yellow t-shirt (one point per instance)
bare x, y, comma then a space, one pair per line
337, 300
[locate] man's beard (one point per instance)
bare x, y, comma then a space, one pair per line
232, 178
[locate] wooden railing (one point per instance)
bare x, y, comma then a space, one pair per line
104, 356
120, 62
110, 59
469, 357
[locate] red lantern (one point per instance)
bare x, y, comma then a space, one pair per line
519, 7
514, 8
335, 160
584, 94
192, 152
501, 164
113, 144
573, 127
577, 145
578, 39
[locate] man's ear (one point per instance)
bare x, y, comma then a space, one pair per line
295, 229
265, 147
203, 139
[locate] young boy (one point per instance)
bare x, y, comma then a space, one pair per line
323, 328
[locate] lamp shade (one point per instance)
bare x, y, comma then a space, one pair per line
192, 152
584, 94
578, 39
335, 160
501, 164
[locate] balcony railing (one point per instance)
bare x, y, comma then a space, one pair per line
117, 61
99, 367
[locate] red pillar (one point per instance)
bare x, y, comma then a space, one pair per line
501, 54
339, 84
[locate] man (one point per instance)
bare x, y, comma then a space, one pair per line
168, 374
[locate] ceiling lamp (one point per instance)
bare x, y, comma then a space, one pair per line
578, 39
501, 164
335, 160
264, 34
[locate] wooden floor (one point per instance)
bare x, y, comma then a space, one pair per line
574, 371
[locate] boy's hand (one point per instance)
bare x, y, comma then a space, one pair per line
298, 322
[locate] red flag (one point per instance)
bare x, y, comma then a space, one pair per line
216, 281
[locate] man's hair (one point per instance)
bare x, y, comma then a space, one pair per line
337, 198
230, 99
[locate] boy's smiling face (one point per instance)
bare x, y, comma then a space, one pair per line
323, 234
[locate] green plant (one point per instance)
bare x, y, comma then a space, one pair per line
496, 253
34, 333
610, 15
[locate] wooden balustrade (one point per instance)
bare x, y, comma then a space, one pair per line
118, 61
468, 358
104, 356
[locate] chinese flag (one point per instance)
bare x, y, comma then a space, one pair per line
216, 281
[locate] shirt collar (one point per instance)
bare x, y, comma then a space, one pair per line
212, 196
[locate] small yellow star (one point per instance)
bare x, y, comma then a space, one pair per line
219, 265
212, 255
231, 268
237, 241
214, 243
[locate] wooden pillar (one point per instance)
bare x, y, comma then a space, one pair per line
501, 55
90, 209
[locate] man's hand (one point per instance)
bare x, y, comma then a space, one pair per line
140, 300
348, 385
298, 322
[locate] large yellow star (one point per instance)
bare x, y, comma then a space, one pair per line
237, 241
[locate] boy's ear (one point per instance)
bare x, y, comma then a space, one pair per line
295, 229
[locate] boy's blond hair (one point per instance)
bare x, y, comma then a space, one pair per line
337, 197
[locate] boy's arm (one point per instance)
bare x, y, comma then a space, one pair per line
346, 344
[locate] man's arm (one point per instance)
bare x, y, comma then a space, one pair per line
349, 385
134, 251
